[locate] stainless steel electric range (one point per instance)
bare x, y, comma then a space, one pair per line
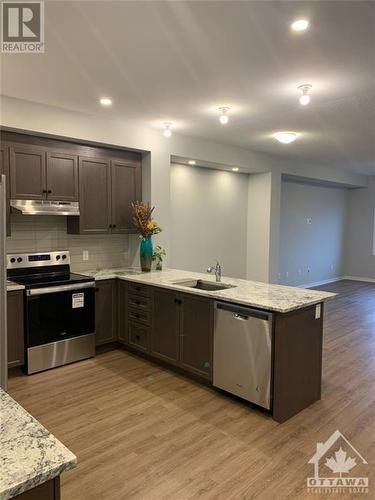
59, 309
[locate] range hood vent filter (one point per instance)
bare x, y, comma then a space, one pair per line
42, 207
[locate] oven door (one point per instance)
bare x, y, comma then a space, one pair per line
59, 312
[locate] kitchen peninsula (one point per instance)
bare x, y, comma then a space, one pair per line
162, 316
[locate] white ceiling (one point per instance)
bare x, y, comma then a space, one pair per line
178, 61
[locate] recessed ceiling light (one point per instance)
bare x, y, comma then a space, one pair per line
305, 97
191, 162
224, 118
235, 169
167, 129
285, 137
105, 101
300, 25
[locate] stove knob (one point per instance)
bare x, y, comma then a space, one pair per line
57, 257
19, 259
12, 260
64, 257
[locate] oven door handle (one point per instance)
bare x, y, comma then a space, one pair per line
59, 288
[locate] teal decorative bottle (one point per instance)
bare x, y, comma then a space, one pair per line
146, 252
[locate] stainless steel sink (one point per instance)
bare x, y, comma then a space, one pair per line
209, 286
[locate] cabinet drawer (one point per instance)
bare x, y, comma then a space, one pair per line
139, 316
136, 289
138, 336
139, 302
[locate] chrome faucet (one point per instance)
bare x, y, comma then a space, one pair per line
217, 270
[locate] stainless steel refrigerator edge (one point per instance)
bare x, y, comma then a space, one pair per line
3, 289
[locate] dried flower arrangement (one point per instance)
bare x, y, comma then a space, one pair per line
142, 219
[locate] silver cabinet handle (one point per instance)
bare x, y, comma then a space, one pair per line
240, 317
60, 288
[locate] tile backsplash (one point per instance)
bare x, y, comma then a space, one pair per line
47, 233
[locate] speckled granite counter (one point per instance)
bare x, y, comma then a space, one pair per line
30, 455
13, 286
250, 293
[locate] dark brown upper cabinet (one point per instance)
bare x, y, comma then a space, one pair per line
104, 180
94, 197
37, 174
4, 169
107, 188
27, 173
126, 187
62, 177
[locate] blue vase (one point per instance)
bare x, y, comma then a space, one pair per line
146, 252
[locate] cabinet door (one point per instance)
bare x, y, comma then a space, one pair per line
122, 331
62, 177
15, 329
4, 169
94, 195
27, 173
126, 188
105, 312
165, 328
196, 335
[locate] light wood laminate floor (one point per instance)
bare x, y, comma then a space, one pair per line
143, 432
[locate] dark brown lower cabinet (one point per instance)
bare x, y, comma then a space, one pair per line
165, 326
106, 311
16, 353
50, 490
122, 307
297, 374
178, 328
196, 334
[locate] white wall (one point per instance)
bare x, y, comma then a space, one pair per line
209, 219
263, 226
20, 114
318, 246
360, 261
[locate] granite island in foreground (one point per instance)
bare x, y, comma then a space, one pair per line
32, 459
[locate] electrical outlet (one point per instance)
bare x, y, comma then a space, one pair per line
299, 272
308, 269
287, 274
85, 255
308, 221
332, 267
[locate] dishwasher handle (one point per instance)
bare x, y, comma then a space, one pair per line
240, 317
243, 313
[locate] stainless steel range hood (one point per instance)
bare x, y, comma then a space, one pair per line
42, 207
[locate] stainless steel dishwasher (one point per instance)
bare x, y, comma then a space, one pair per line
243, 352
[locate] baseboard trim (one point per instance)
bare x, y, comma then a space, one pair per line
359, 278
323, 282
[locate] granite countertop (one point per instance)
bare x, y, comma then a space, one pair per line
13, 286
277, 298
30, 455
